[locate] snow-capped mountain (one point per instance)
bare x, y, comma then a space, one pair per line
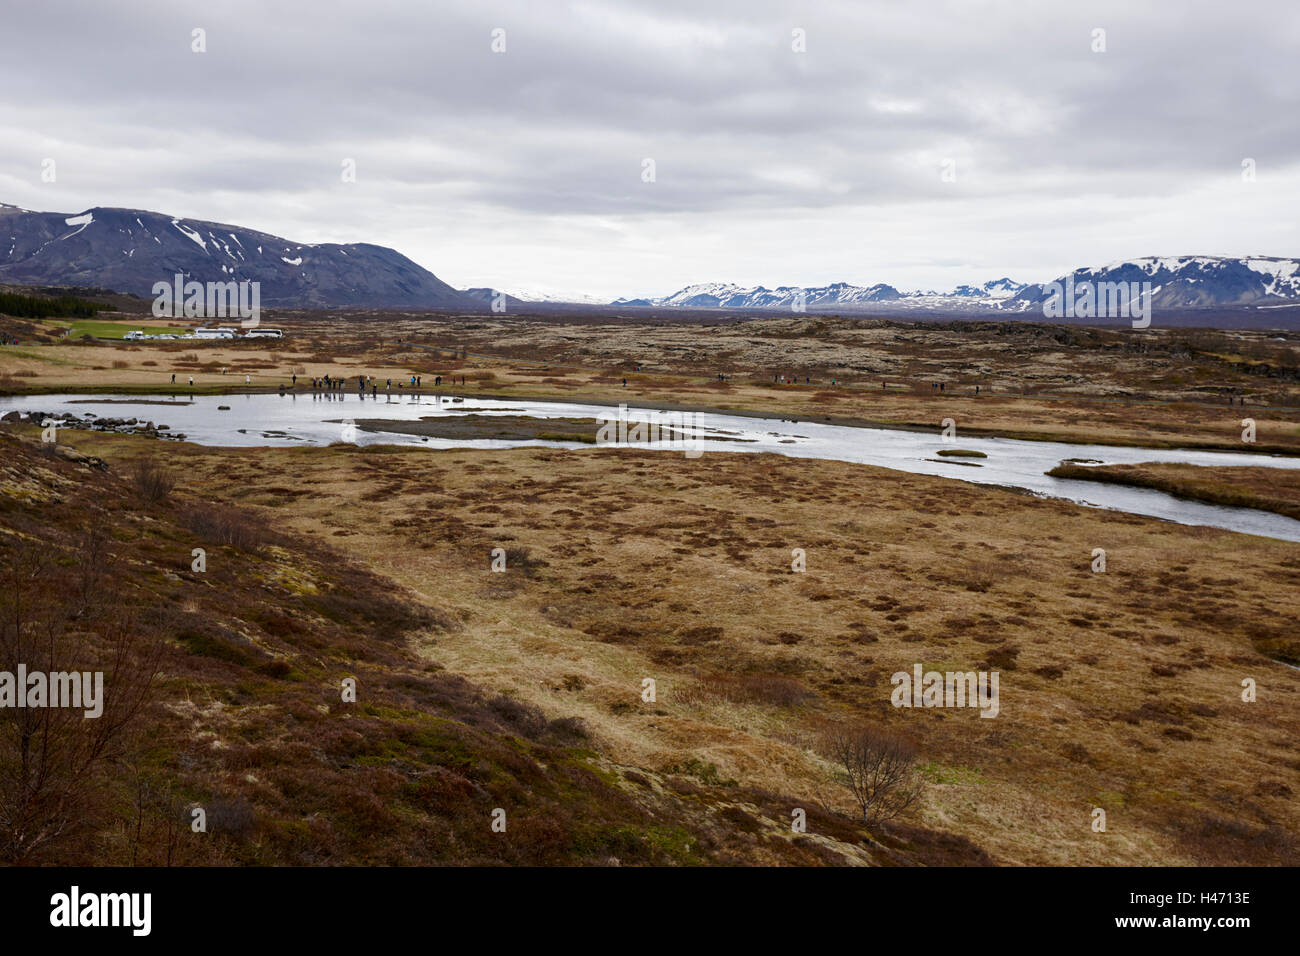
1177, 282
575, 298
728, 296
1186, 282
1003, 288
842, 295
128, 250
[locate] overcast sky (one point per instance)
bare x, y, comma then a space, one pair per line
524, 169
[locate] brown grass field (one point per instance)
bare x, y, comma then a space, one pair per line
1167, 389
1120, 690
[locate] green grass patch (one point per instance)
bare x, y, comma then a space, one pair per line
707, 773
958, 776
103, 329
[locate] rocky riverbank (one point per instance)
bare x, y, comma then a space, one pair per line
92, 422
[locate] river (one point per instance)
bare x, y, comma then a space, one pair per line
264, 419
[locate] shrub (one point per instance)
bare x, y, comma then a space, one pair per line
774, 689
705, 634
220, 525
522, 558
151, 481
879, 769
521, 718
1003, 658
233, 816
567, 730
276, 668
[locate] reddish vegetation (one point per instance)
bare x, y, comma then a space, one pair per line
245, 719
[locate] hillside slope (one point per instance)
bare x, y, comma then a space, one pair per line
128, 250
245, 718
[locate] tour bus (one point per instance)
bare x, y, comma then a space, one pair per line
261, 333
221, 333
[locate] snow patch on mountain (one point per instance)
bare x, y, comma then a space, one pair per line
187, 231
1181, 282
130, 250
1184, 282
843, 295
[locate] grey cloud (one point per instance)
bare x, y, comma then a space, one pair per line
448, 135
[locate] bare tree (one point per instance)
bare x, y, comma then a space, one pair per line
879, 770
54, 760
